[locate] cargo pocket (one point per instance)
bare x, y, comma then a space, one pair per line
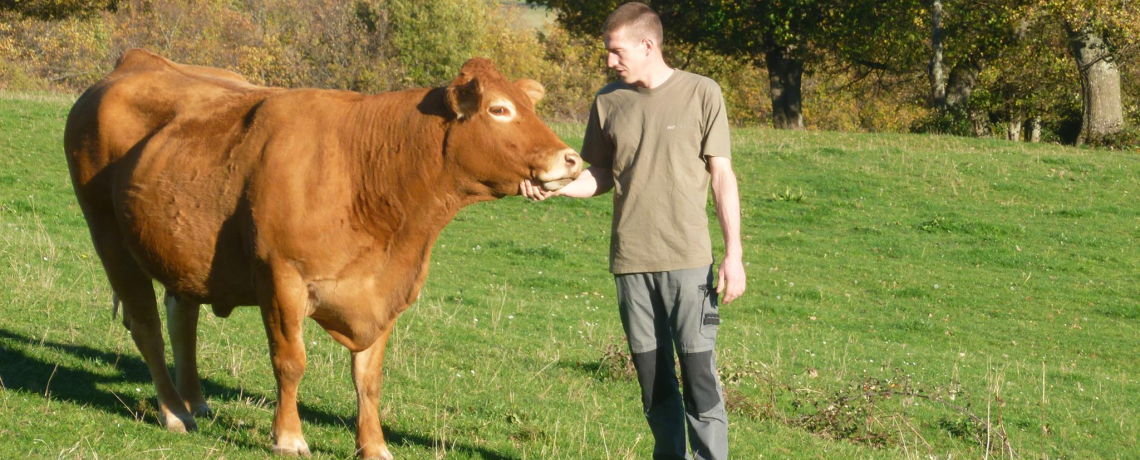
710, 317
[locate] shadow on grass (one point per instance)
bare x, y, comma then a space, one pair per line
21, 371
595, 370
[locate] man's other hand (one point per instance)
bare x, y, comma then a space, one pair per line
731, 281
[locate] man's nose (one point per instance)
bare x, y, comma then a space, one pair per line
611, 61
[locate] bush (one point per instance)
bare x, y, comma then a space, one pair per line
1064, 123
14, 77
56, 9
432, 38
577, 71
839, 99
953, 121
52, 55
1126, 139
365, 45
290, 43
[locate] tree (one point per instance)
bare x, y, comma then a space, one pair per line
1099, 32
1027, 85
949, 40
781, 31
937, 45
781, 34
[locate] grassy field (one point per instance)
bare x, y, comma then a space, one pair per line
909, 297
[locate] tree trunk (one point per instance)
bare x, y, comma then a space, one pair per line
1035, 129
980, 121
937, 72
785, 73
1102, 113
961, 82
1013, 131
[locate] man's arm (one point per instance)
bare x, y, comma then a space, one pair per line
594, 181
726, 197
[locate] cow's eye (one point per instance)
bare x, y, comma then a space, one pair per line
500, 111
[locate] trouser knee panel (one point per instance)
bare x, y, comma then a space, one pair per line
698, 372
656, 377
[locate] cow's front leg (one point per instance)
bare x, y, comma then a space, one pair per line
182, 324
367, 375
283, 307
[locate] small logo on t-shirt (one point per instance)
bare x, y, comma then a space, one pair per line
671, 127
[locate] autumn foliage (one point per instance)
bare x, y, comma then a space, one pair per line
381, 45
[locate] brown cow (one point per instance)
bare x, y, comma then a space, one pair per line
307, 202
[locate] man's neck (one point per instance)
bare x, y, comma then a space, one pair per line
657, 75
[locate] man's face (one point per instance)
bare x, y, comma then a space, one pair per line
628, 55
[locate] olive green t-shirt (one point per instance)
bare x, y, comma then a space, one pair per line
657, 140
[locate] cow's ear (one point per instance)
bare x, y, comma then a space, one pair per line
533, 89
464, 95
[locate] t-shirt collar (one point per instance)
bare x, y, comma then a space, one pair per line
668, 81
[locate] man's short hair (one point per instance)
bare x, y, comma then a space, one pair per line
638, 19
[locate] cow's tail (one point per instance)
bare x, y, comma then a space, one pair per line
116, 305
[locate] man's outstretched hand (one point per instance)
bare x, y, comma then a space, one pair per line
534, 192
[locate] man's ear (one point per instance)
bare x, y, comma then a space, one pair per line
533, 89
464, 95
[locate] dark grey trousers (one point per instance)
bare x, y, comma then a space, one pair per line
676, 309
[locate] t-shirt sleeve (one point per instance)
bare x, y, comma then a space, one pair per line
716, 142
597, 149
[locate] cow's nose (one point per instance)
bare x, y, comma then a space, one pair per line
573, 162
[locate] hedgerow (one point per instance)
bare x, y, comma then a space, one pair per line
381, 45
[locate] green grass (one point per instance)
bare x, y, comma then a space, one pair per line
897, 285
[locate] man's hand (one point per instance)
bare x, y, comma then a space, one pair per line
594, 180
727, 199
535, 192
731, 280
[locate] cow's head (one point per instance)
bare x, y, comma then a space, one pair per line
497, 140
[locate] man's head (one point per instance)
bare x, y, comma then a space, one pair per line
632, 36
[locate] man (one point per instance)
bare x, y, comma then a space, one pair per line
657, 137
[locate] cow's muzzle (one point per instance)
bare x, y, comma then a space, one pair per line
564, 167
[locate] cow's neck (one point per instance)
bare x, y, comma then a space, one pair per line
404, 188
405, 194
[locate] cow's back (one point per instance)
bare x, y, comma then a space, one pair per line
151, 149
144, 93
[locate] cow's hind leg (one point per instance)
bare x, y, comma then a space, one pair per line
133, 288
367, 375
182, 325
283, 298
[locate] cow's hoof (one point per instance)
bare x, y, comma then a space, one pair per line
291, 449
201, 410
380, 453
176, 424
